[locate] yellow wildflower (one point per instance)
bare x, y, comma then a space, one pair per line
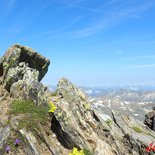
76, 152
52, 107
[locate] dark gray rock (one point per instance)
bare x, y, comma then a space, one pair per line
150, 120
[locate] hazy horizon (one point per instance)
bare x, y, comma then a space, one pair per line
92, 43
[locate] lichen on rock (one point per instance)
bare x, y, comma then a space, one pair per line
22, 70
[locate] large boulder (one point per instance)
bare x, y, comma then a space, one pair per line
21, 70
17, 53
74, 122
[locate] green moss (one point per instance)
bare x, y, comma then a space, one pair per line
87, 152
87, 106
137, 129
109, 122
33, 114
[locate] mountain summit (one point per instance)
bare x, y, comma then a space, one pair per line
35, 121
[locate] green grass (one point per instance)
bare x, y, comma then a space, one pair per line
137, 129
33, 114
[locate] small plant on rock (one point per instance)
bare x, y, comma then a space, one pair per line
7, 149
137, 129
52, 107
109, 122
75, 151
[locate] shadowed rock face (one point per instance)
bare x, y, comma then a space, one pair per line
150, 119
22, 69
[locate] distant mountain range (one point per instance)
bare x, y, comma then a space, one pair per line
136, 103
100, 91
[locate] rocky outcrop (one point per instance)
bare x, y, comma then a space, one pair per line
17, 53
22, 69
74, 123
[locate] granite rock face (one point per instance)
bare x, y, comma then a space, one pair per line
22, 69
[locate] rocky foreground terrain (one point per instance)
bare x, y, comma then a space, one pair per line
29, 127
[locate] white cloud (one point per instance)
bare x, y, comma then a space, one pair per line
110, 17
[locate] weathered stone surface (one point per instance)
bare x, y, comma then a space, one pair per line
21, 71
74, 122
4, 135
30, 142
17, 53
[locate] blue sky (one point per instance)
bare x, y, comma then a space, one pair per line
91, 42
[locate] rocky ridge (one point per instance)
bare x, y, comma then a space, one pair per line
74, 123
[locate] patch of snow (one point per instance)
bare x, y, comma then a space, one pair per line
146, 110
130, 110
136, 114
126, 102
122, 104
109, 103
98, 103
124, 108
92, 99
105, 117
